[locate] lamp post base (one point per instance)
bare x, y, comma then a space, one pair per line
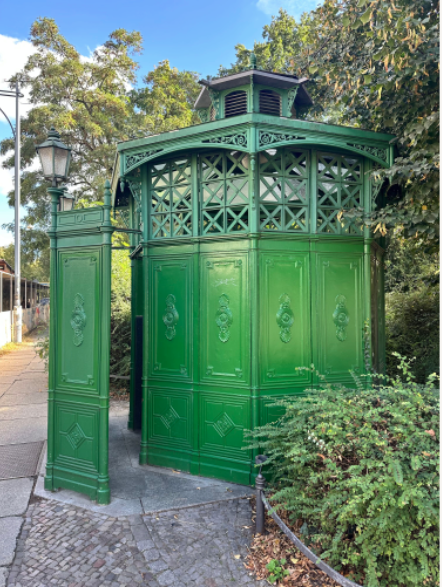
18, 324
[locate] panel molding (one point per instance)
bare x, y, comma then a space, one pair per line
224, 319
284, 318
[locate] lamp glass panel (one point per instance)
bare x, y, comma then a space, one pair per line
68, 204
60, 159
46, 160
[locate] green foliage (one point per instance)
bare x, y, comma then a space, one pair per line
34, 263
90, 102
412, 307
360, 467
120, 314
42, 350
372, 64
412, 327
276, 569
166, 102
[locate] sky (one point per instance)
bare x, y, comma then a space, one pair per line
194, 35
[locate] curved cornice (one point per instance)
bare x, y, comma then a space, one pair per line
253, 133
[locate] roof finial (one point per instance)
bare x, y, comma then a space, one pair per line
252, 60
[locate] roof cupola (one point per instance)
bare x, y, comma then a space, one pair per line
252, 90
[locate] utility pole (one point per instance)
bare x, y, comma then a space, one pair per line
18, 314
17, 305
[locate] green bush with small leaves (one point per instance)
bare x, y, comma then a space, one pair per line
359, 467
120, 314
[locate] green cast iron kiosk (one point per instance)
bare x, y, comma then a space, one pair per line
244, 269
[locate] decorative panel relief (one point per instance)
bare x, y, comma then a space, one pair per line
225, 320
170, 336
79, 320
76, 429
284, 318
223, 421
340, 320
170, 417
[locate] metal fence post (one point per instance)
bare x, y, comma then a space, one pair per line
260, 484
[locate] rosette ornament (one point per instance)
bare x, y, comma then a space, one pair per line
224, 318
170, 317
284, 318
78, 320
341, 317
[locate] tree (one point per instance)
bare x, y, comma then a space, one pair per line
166, 102
373, 64
92, 103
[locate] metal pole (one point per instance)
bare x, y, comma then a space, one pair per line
1, 292
260, 483
17, 309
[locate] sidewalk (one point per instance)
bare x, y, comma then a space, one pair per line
199, 539
23, 385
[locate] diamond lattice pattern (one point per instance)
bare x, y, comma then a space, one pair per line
339, 188
171, 199
224, 192
283, 190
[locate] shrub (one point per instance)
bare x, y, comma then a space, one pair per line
120, 314
412, 329
359, 468
412, 305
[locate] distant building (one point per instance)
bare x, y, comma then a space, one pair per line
4, 266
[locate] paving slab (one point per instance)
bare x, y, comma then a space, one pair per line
9, 531
14, 496
6, 378
36, 397
27, 386
19, 431
25, 410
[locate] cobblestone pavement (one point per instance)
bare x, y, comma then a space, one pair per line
201, 546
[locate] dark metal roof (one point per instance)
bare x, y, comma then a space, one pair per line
276, 80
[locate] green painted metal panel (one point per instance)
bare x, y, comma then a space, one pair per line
78, 321
171, 318
170, 418
224, 320
285, 319
340, 319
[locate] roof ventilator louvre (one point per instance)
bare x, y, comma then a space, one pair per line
235, 103
269, 102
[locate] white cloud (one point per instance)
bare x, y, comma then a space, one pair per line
293, 7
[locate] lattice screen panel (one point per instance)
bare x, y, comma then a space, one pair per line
339, 188
171, 199
283, 188
224, 193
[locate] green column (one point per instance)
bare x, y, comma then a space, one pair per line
55, 194
103, 493
78, 405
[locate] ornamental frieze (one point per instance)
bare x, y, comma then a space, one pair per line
268, 138
375, 151
239, 140
137, 158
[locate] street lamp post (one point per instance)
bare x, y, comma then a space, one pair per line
18, 315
